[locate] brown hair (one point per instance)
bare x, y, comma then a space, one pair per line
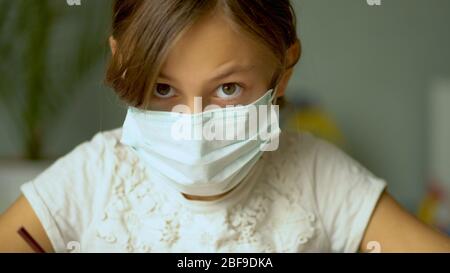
145, 30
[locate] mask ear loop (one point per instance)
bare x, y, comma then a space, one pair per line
273, 101
274, 97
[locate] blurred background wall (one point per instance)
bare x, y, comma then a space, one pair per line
371, 68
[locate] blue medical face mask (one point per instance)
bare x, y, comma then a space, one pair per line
205, 153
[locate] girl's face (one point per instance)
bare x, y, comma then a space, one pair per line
215, 61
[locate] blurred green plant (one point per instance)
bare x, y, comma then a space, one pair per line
33, 89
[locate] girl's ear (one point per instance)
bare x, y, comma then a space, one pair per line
293, 55
112, 45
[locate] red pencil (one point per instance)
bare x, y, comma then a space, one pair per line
30, 240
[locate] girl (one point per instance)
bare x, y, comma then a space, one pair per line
139, 189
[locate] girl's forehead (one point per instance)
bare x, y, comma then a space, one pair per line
213, 41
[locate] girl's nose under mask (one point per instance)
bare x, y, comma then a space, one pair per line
206, 153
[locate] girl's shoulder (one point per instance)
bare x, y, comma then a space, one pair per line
74, 189
332, 187
315, 157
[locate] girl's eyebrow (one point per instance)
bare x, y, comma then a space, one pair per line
224, 71
228, 70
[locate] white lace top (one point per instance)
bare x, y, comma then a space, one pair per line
307, 196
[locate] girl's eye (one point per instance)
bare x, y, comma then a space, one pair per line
229, 91
163, 91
